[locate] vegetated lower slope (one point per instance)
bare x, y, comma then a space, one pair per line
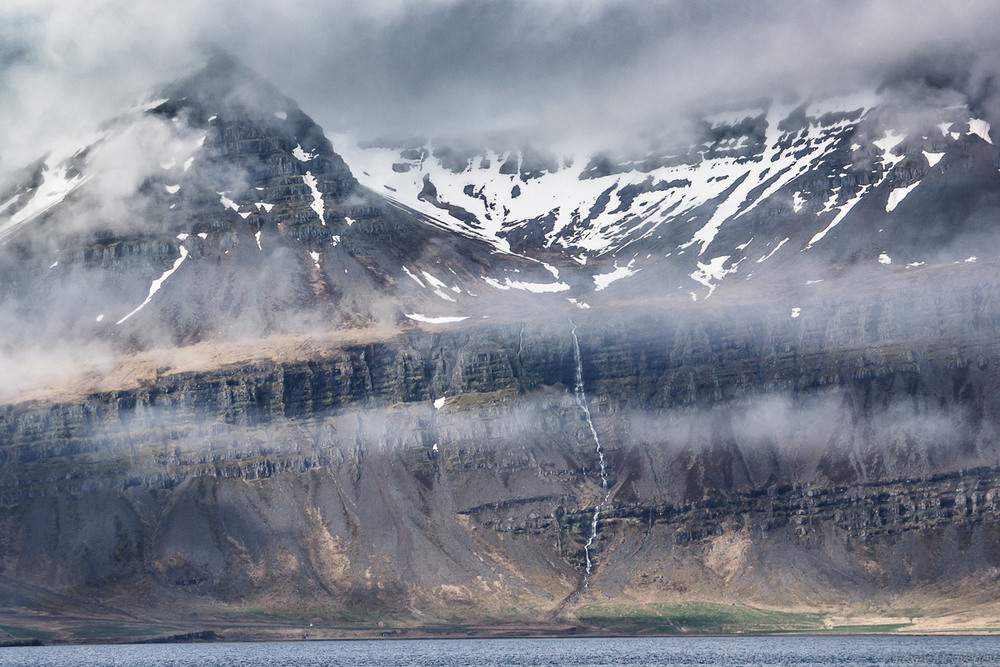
298, 408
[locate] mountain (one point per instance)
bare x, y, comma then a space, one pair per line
221, 182
853, 179
266, 384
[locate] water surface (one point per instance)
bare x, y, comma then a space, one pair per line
590, 652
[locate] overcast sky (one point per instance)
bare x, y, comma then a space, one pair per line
555, 67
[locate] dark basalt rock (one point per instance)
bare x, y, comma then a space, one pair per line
340, 473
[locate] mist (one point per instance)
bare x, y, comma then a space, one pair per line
562, 71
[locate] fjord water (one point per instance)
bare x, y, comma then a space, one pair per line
591, 652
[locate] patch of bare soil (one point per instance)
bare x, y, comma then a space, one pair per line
65, 374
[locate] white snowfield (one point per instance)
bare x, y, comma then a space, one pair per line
706, 188
599, 217
501, 202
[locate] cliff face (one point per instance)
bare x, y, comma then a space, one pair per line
748, 456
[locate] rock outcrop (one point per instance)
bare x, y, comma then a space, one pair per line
756, 457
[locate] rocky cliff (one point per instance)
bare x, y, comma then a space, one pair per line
749, 456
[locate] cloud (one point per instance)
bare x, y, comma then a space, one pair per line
556, 68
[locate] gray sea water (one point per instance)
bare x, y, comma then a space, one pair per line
645, 652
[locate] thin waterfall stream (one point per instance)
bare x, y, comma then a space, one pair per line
581, 400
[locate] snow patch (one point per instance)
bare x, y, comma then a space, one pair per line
158, 283
884, 258
228, 203
264, 206
256, 237
444, 296
844, 210
712, 271
315, 258
303, 156
415, 278
317, 203
434, 320
797, 201
971, 260
796, 312
981, 129
281, 115
152, 104
602, 280
537, 288
831, 201
889, 141
579, 304
776, 249
349, 221
438, 404
57, 184
897, 195
171, 189
434, 282
933, 158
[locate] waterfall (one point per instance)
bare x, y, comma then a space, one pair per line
581, 400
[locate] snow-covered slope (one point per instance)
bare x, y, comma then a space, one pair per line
747, 188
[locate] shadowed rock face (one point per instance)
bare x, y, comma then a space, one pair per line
749, 456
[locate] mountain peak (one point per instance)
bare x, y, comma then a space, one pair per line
226, 86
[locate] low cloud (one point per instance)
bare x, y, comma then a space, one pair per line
561, 70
